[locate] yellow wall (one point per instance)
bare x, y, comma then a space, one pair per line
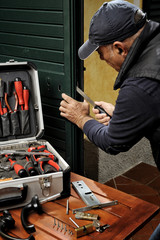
99, 77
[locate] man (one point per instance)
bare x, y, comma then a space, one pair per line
127, 41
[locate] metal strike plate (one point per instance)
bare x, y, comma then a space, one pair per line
85, 193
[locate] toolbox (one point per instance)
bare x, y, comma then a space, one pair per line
29, 165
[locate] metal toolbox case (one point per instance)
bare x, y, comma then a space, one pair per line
17, 191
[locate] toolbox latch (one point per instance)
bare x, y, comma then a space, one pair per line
45, 183
11, 61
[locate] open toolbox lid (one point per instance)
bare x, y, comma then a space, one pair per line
28, 74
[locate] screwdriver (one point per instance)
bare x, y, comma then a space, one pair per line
25, 97
31, 170
19, 170
19, 90
1, 111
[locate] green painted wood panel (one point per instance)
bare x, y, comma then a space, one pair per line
48, 33
152, 7
31, 41
54, 17
30, 4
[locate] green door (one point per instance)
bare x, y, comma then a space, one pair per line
48, 33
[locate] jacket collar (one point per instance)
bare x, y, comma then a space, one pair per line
150, 31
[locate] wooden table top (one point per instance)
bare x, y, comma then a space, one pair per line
124, 218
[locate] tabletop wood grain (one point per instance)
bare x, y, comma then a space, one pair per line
124, 218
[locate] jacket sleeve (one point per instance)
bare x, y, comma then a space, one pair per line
134, 114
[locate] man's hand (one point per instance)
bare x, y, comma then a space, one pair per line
102, 117
74, 111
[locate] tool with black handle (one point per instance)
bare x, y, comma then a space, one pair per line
34, 205
6, 223
30, 168
101, 110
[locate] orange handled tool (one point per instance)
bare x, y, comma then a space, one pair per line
19, 170
25, 98
1, 110
19, 90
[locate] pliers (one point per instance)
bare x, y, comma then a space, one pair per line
16, 103
45, 164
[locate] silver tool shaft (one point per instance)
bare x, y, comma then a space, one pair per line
74, 222
85, 96
12, 152
101, 205
101, 110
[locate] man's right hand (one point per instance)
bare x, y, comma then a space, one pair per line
102, 117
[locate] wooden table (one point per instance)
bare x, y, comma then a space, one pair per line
124, 218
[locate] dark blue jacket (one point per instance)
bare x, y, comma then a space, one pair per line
137, 109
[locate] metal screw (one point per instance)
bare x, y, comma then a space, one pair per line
62, 227
65, 228
54, 222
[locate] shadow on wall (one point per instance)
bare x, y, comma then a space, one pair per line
102, 167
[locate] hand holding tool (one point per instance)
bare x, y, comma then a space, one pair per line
19, 170
19, 90
7, 222
101, 110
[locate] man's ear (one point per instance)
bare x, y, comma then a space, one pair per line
120, 48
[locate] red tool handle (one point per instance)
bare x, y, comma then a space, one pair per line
19, 170
54, 165
43, 148
5, 110
19, 91
1, 110
26, 98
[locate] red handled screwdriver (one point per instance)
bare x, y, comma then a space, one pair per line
1, 110
19, 170
19, 90
25, 97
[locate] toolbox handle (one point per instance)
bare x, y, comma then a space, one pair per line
15, 199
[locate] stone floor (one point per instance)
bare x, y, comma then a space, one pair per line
142, 181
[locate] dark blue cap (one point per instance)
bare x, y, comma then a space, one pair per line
114, 21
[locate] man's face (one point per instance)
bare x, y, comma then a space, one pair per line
114, 58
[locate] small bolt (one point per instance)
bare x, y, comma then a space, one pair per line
62, 227
54, 222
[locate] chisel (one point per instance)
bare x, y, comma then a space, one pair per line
88, 99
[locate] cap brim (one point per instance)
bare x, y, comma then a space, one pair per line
86, 50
